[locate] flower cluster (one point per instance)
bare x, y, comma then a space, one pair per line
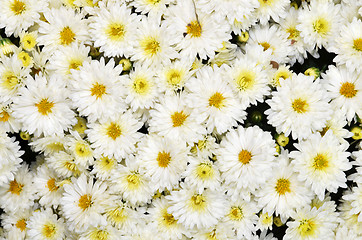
141, 115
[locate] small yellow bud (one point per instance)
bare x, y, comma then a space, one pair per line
357, 132
277, 221
7, 47
243, 37
24, 135
277, 149
126, 64
282, 140
81, 125
313, 71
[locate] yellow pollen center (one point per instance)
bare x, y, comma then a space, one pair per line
141, 85
51, 185
116, 31
178, 118
300, 106
18, 7
99, 234
194, 29
163, 159
44, 106
117, 215
71, 166
15, 187
204, 171
245, 80
114, 131
75, 64
357, 44
98, 90
133, 181
167, 218
82, 149
306, 227
49, 230
9, 80
4, 116
174, 77
107, 163
282, 186
67, 36
28, 41
21, 224
198, 202
265, 45
244, 156
348, 90
85, 202
266, 2
321, 26
266, 219
153, 2
236, 214
217, 100
293, 33
320, 162
150, 45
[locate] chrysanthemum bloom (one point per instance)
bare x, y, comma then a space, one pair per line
355, 199
16, 223
196, 210
43, 107
344, 87
84, 203
299, 107
244, 153
320, 162
106, 232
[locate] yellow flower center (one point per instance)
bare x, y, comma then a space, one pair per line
204, 171
21, 224
4, 116
98, 90
28, 41
117, 215
150, 45
15, 187
99, 234
141, 85
44, 106
18, 7
107, 163
320, 162
245, 80
265, 45
282, 186
75, 64
321, 26
244, 156
163, 159
133, 181
82, 149
56, 146
300, 106
48, 230
266, 2
217, 100
348, 90
25, 58
114, 131
9, 80
81, 125
85, 202
67, 36
194, 29
357, 44
293, 33
198, 202
173, 77
236, 213
167, 218
116, 31
266, 219
306, 227
178, 118
153, 2
51, 185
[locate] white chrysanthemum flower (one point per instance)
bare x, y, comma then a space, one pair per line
241, 217
7, 121
83, 203
248, 80
152, 45
196, 210
62, 27
243, 154
310, 223
112, 28
68, 57
131, 182
274, 9
283, 193
213, 100
348, 46
163, 160
320, 162
355, 199
43, 107
18, 15
283, 72
45, 225
205, 147
13, 76
319, 23
64, 164
155, 9
165, 223
10, 154
299, 107
106, 232
103, 167
48, 145
344, 87
172, 118
272, 37
116, 136
265, 222
96, 90
48, 186
194, 32
142, 88
201, 173
19, 193
16, 223
80, 149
